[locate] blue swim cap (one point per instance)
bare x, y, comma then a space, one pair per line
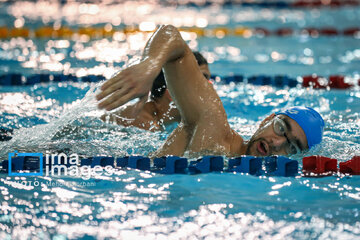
309, 120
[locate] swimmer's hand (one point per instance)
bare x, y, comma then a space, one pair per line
132, 82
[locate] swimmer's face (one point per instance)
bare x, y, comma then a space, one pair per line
277, 135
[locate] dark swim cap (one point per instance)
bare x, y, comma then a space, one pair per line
309, 120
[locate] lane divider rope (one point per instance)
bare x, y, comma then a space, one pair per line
313, 166
267, 4
313, 81
280, 4
105, 32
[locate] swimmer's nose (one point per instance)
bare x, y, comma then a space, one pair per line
277, 142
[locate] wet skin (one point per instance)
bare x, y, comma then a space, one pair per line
204, 128
266, 142
151, 115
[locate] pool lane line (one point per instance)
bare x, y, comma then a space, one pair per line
49, 32
275, 4
312, 81
313, 166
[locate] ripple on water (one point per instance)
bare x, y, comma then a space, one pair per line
134, 203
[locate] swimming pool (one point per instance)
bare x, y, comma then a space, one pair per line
62, 117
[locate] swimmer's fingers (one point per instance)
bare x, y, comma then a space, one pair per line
113, 98
112, 85
109, 90
113, 80
120, 101
133, 82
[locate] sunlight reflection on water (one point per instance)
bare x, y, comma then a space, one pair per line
133, 204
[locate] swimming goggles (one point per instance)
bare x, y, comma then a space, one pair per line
281, 129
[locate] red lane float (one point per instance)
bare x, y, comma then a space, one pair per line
313, 32
319, 165
338, 82
312, 81
319, 3
351, 167
284, 32
352, 31
334, 81
329, 31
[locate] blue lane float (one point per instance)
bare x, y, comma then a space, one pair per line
15, 79
271, 166
11, 79
38, 78
135, 162
277, 80
246, 164
103, 161
207, 164
85, 162
281, 166
170, 165
22, 163
229, 79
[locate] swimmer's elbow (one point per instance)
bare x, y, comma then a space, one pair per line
173, 34
170, 29
165, 45
176, 43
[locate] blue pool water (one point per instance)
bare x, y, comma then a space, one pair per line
130, 204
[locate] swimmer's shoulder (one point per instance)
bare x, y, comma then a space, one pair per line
236, 143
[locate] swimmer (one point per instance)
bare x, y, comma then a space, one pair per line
159, 111
204, 128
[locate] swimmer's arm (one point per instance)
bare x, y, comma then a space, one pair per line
193, 95
136, 80
191, 92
